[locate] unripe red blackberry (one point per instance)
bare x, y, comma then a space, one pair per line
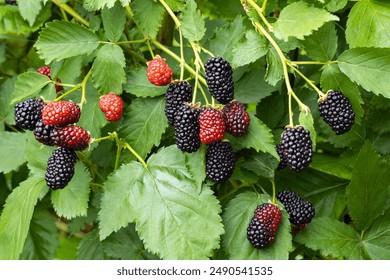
219, 78
236, 118
220, 161
187, 128
46, 70
212, 125
28, 112
300, 211
336, 111
60, 168
60, 113
159, 73
70, 137
296, 148
264, 225
177, 93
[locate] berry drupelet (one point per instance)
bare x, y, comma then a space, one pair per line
336, 111
220, 161
219, 78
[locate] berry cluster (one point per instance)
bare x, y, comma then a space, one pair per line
112, 106
264, 225
336, 110
53, 125
46, 70
159, 73
300, 211
295, 149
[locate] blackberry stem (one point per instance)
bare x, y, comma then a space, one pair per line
135, 154
273, 191
68, 92
83, 89
71, 11
260, 12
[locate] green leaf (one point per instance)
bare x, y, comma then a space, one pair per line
299, 19
28, 84
331, 165
181, 223
139, 85
376, 239
29, 10
332, 238
274, 71
368, 24
251, 87
114, 22
261, 164
37, 156
259, 137
237, 216
149, 15
368, 193
16, 216
336, 5
63, 39
118, 188
6, 111
146, 122
196, 164
126, 245
42, 240
176, 5
322, 44
12, 150
368, 67
225, 37
108, 72
332, 78
192, 22
90, 247
249, 50
72, 201
306, 120
94, 5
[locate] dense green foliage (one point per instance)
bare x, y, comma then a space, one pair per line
134, 194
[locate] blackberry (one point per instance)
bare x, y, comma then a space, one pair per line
296, 147
236, 118
187, 128
28, 112
177, 93
264, 225
283, 161
336, 111
220, 161
43, 133
219, 78
300, 211
10, 2
60, 168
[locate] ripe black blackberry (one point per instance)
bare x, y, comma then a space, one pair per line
258, 235
236, 118
219, 78
11, 2
220, 161
336, 111
28, 112
300, 211
43, 133
177, 93
187, 128
60, 168
296, 147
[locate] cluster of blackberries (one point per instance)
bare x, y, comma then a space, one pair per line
264, 225
52, 125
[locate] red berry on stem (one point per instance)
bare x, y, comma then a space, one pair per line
212, 126
112, 106
159, 72
60, 113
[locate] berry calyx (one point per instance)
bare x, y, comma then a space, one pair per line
300, 211
159, 73
336, 111
177, 93
219, 78
264, 225
220, 161
187, 128
236, 118
60, 113
70, 137
296, 148
46, 70
28, 112
212, 125
60, 168
112, 106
